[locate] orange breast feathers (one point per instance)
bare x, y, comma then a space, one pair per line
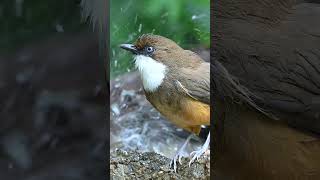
196, 112
190, 115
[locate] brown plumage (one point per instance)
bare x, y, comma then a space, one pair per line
266, 79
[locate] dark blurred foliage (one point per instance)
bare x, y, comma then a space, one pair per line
25, 20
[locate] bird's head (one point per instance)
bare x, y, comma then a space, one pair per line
155, 47
149, 47
155, 56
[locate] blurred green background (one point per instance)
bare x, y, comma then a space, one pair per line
22, 21
185, 21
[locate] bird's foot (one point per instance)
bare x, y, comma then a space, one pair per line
179, 154
196, 154
173, 162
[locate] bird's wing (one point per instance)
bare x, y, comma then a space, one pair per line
279, 65
195, 83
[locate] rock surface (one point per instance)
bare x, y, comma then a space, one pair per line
150, 165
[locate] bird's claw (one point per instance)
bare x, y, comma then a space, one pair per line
179, 154
173, 162
195, 155
180, 160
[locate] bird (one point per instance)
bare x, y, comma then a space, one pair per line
177, 83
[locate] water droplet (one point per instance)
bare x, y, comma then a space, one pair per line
140, 27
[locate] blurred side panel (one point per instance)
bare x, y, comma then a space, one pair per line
52, 93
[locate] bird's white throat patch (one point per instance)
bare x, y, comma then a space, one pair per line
152, 72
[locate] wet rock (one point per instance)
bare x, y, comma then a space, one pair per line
150, 165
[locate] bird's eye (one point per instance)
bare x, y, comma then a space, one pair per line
149, 49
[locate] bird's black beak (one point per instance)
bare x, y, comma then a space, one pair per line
129, 47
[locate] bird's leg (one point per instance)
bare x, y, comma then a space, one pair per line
179, 153
197, 154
